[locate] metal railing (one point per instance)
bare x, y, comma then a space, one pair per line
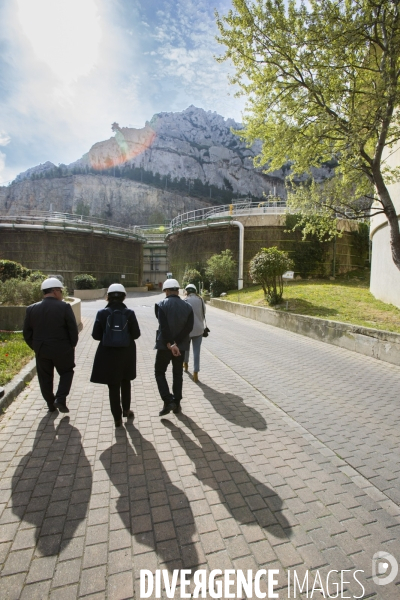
272, 206
51, 220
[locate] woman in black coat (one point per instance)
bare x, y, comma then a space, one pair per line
116, 367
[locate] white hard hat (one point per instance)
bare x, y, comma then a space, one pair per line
116, 287
50, 283
191, 286
170, 284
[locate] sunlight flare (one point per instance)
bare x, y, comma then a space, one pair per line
64, 34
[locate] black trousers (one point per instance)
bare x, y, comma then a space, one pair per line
119, 392
64, 364
163, 358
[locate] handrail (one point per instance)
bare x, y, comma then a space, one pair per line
273, 205
63, 221
51, 220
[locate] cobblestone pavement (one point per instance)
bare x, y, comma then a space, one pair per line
286, 457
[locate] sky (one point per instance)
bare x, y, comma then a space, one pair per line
70, 68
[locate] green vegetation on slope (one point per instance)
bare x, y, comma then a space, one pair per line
14, 354
346, 299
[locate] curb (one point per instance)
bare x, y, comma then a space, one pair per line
18, 384
375, 343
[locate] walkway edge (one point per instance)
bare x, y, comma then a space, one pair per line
18, 384
382, 345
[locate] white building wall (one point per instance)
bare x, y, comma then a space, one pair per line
385, 277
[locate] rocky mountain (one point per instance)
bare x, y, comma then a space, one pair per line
192, 155
118, 200
195, 145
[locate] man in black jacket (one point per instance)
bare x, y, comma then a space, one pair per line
50, 329
175, 320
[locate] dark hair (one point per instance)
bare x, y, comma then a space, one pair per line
49, 290
116, 296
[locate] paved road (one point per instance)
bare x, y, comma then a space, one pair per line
286, 457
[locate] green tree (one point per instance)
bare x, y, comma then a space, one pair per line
267, 268
221, 270
191, 276
322, 79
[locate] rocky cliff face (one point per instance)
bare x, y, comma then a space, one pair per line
193, 144
191, 148
115, 199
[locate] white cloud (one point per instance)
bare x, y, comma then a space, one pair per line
4, 138
186, 47
55, 109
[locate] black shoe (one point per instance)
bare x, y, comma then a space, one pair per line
178, 409
128, 414
167, 409
118, 423
51, 408
61, 406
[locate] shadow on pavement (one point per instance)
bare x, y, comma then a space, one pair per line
248, 500
52, 484
151, 507
233, 408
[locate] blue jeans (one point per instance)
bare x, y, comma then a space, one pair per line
196, 343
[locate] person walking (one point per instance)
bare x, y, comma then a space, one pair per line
50, 329
196, 335
175, 322
116, 328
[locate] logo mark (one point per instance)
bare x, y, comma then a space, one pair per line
384, 568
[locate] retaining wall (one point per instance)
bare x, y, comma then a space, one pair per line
90, 294
12, 317
382, 345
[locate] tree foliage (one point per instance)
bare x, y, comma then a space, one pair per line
221, 270
10, 269
20, 292
322, 78
267, 268
191, 276
84, 281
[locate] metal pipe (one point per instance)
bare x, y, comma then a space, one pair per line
241, 243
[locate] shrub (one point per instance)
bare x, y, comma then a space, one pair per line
12, 270
17, 292
267, 268
221, 270
85, 282
191, 276
36, 276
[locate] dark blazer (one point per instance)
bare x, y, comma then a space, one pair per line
175, 322
112, 365
50, 327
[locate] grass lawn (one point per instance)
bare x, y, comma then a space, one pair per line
14, 354
346, 299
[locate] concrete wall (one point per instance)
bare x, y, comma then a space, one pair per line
385, 276
191, 247
69, 254
12, 317
90, 294
382, 345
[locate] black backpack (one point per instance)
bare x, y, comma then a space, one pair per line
116, 333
